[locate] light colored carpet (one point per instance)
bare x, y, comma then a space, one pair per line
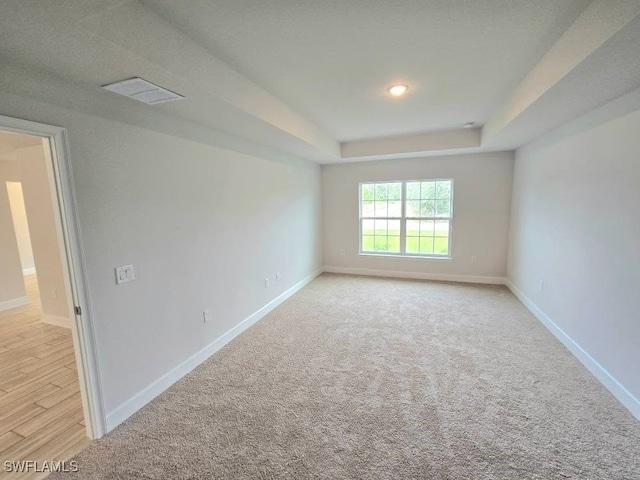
359, 377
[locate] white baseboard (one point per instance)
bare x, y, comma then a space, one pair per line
609, 381
54, 320
13, 303
28, 271
416, 275
135, 403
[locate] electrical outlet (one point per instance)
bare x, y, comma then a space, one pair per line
542, 285
207, 315
278, 277
266, 282
473, 259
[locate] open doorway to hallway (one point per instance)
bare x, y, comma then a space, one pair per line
41, 411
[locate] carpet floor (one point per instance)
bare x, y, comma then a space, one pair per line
371, 378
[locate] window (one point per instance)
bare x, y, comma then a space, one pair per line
411, 218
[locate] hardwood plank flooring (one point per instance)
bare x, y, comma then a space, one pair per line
32, 397
62, 394
9, 439
41, 415
65, 380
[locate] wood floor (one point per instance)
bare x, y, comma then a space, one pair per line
41, 416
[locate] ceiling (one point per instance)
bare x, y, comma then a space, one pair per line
10, 141
302, 78
332, 61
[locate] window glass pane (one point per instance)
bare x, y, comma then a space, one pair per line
381, 227
367, 209
367, 191
426, 245
413, 245
428, 190
426, 228
442, 228
413, 208
441, 246
395, 209
367, 243
381, 244
394, 227
426, 208
443, 208
381, 209
395, 191
413, 190
382, 191
413, 228
393, 244
367, 227
443, 189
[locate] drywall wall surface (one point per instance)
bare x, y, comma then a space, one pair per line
482, 195
40, 209
202, 226
21, 225
11, 281
576, 227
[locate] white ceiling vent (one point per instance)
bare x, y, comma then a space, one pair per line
141, 90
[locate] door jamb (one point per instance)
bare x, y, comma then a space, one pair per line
83, 329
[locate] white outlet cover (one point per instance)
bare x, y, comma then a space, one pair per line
125, 274
207, 315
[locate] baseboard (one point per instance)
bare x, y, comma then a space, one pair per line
54, 320
135, 403
445, 277
28, 271
609, 381
13, 303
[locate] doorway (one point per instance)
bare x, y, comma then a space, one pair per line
50, 397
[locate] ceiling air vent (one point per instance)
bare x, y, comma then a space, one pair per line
141, 90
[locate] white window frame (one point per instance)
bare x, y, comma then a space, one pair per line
403, 221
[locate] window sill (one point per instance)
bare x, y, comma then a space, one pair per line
410, 257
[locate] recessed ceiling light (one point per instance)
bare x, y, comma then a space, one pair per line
143, 91
469, 125
398, 90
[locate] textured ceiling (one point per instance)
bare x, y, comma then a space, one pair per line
332, 61
291, 79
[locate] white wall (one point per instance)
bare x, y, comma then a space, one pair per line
202, 226
12, 293
576, 226
36, 228
34, 165
482, 195
21, 225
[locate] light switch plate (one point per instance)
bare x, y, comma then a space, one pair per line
125, 274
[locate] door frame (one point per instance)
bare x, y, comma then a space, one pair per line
85, 347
